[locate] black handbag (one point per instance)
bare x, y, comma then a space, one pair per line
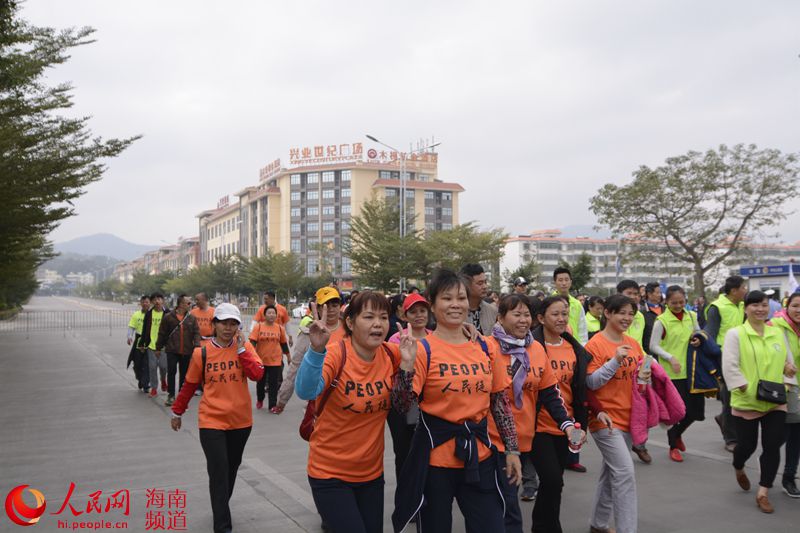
768, 391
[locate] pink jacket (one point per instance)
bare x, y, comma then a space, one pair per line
660, 402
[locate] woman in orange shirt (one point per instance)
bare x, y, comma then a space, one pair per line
453, 457
522, 369
225, 416
345, 456
611, 371
271, 344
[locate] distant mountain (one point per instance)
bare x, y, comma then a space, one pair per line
585, 231
104, 244
68, 262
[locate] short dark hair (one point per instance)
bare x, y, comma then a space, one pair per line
268, 307
561, 270
509, 302
443, 280
733, 282
626, 284
672, 289
271, 294
753, 297
376, 300
471, 269
204, 295
792, 297
651, 287
143, 297
156, 295
617, 302
545, 304
594, 300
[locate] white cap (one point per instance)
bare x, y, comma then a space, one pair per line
520, 281
769, 292
226, 311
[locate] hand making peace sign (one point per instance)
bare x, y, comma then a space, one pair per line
318, 331
408, 349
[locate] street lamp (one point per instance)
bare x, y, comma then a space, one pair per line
402, 185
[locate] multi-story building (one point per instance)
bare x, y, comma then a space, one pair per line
180, 257
307, 208
548, 248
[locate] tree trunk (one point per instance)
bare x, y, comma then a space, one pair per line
699, 281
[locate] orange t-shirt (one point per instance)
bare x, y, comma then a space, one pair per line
283, 315
615, 396
268, 340
456, 389
337, 335
204, 319
539, 377
562, 362
225, 403
348, 437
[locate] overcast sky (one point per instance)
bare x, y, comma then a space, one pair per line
537, 104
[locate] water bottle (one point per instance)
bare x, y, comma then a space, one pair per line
576, 439
643, 383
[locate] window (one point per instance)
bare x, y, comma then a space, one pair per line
345, 226
312, 195
447, 225
295, 179
429, 212
385, 175
295, 212
312, 265
390, 193
345, 193
346, 209
295, 228
295, 196
312, 244
328, 226
429, 195
424, 177
328, 194
345, 175
328, 177
312, 211
346, 264
312, 178
328, 210
312, 226
429, 226
296, 246
447, 211
447, 196
409, 193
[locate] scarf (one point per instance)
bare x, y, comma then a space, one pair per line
520, 362
785, 315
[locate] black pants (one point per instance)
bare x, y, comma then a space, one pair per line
402, 433
179, 363
550, 457
729, 432
141, 368
223, 449
480, 503
513, 516
792, 451
271, 380
695, 411
773, 431
348, 507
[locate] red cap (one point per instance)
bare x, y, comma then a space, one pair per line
412, 299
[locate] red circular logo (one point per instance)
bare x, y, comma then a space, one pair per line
372, 153
19, 512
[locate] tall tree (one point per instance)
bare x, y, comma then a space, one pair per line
582, 271
530, 271
379, 255
702, 207
47, 159
287, 273
456, 247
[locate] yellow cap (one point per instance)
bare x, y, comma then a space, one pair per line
326, 294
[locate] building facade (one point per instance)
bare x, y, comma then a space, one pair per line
307, 208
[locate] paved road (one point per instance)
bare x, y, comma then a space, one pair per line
72, 414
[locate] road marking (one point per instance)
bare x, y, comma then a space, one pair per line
289, 487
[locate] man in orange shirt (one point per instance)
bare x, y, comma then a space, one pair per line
204, 314
283, 314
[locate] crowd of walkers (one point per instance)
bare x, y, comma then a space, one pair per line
488, 398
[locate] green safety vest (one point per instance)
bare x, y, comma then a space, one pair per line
676, 339
731, 316
794, 341
592, 323
769, 353
137, 321
636, 329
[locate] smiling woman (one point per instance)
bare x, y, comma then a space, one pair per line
354, 379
